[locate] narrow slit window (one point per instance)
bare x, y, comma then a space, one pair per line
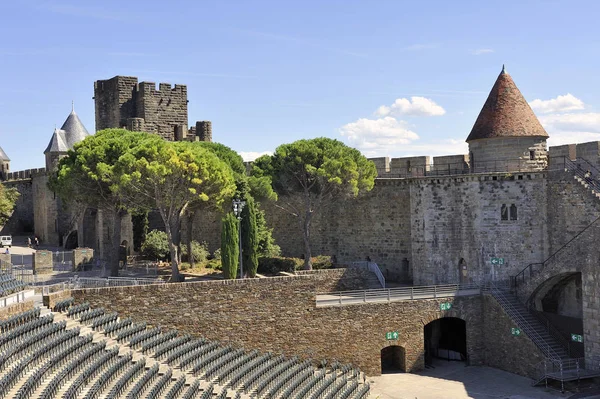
513, 212
504, 212
532, 155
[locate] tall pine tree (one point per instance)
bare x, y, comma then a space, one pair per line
230, 252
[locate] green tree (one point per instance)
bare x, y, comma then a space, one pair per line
248, 188
156, 245
310, 172
250, 238
140, 228
8, 199
174, 175
235, 161
89, 175
230, 252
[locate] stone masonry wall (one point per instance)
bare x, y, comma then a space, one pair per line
457, 227
376, 224
516, 354
162, 109
10, 310
512, 153
279, 314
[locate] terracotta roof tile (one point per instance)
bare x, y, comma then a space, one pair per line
506, 113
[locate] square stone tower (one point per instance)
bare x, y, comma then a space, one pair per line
122, 102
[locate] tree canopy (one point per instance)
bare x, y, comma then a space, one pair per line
8, 199
174, 175
308, 172
89, 176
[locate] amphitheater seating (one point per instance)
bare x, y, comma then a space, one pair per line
42, 358
9, 285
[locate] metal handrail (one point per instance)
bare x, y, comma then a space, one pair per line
458, 168
397, 294
556, 334
373, 267
516, 316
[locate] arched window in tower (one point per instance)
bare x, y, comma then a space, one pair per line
513, 212
504, 212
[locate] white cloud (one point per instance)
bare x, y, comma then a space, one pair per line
568, 102
250, 156
572, 122
377, 136
481, 51
416, 106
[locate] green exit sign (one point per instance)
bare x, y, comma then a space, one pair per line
497, 261
576, 338
515, 331
391, 335
445, 306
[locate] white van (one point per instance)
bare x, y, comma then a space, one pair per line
5, 241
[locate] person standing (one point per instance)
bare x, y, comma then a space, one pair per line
28, 242
37, 242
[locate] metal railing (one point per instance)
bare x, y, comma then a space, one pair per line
501, 297
573, 350
92, 282
396, 294
406, 170
566, 370
372, 267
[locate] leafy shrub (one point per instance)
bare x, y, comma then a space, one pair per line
200, 251
156, 245
321, 262
274, 265
217, 254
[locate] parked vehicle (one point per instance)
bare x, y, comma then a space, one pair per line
5, 241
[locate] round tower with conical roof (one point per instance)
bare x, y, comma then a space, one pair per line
507, 136
64, 139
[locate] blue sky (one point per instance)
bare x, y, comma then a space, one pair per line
271, 72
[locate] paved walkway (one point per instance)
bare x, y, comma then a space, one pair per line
452, 380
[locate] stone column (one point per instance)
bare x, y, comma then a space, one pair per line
42, 262
82, 257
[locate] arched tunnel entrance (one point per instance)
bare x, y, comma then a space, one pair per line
393, 359
445, 338
558, 303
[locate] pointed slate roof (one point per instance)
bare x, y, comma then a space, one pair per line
74, 129
70, 133
58, 142
506, 113
3, 156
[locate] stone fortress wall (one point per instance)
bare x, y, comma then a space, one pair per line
280, 315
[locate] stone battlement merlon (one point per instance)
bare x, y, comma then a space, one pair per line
23, 174
166, 88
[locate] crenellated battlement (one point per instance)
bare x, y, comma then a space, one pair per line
164, 88
23, 174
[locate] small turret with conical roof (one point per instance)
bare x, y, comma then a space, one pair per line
507, 135
64, 139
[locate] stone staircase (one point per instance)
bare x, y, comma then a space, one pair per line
123, 350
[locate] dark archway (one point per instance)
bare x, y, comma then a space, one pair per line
445, 338
393, 359
558, 303
71, 241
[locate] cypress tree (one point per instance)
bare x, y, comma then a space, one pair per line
250, 237
229, 246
